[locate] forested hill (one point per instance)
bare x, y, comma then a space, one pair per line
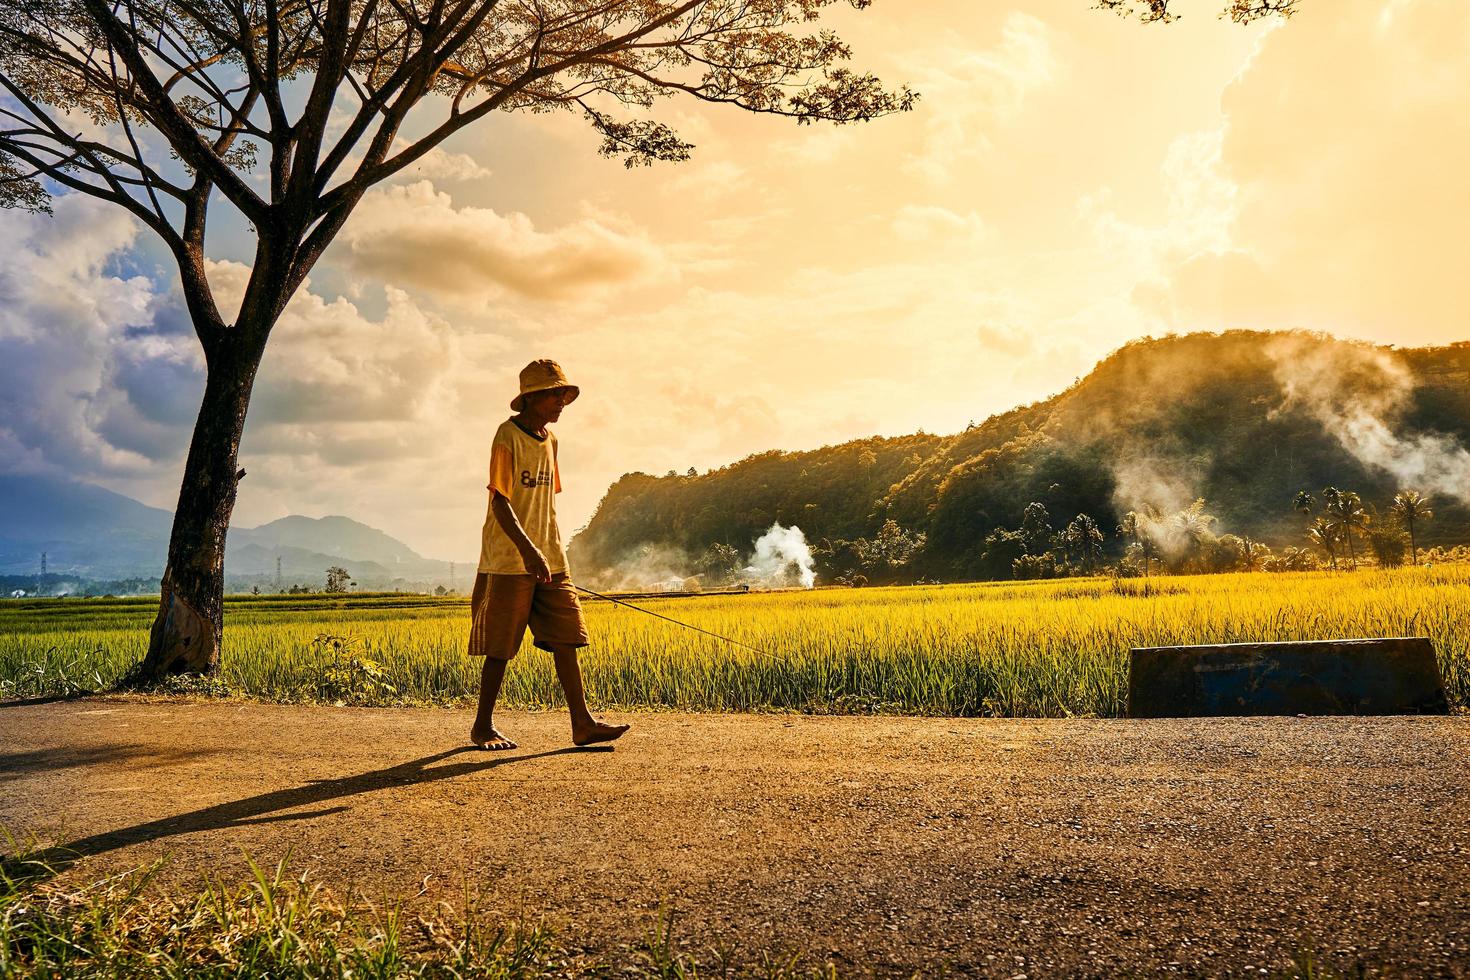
1242, 419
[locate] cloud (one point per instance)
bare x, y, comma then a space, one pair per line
101, 375
1200, 208
926, 223
1348, 141
328, 362
149, 396
439, 164
1006, 339
415, 236
969, 94
83, 350
708, 180
351, 411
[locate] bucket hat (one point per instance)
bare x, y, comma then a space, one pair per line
541, 375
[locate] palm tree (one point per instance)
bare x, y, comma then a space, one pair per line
1353, 517
1344, 512
1192, 524
1150, 520
1323, 534
1129, 530
1304, 502
1412, 507
1331, 505
1253, 554
1085, 538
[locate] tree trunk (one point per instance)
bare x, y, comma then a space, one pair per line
187, 633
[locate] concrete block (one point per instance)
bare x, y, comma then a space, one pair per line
1397, 676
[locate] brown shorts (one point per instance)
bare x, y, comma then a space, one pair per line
502, 606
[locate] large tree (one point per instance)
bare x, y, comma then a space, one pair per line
166, 107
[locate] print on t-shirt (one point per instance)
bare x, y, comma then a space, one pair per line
541, 479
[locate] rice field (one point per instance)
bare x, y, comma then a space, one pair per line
1033, 649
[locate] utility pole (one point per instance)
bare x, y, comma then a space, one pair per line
40, 582
451, 576
278, 573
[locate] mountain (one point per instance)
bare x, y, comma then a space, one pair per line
91, 533
81, 527
341, 537
1243, 419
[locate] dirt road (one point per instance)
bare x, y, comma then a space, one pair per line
997, 848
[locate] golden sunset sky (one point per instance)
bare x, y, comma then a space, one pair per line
1070, 181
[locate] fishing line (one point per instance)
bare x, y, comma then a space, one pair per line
688, 626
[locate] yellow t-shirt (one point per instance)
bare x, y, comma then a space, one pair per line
523, 468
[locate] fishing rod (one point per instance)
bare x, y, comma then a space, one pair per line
688, 626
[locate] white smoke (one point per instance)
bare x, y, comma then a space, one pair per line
782, 559
1146, 482
649, 568
1159, 493
1356, 392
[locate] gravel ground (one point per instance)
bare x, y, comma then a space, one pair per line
885, 845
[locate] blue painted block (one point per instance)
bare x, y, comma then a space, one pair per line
1394, 676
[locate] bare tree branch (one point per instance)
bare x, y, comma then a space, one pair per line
169, 119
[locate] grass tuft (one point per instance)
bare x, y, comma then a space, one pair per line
285, 926
271, 925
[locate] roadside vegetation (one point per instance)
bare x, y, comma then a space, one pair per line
268, 921
273, 923
1032, 649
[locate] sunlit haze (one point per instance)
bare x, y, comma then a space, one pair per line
1070, 180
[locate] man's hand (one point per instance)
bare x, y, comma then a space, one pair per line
535, 563
531, 555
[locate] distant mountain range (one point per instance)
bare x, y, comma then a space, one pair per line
1244, 419
95, 534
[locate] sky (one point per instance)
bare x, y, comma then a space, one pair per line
1070, 181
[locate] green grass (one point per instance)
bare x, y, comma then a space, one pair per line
1009, 649
273, 924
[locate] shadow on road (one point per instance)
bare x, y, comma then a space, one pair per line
266, 808
14, 765
46, 699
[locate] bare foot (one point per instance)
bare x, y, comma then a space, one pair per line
490, 739
596, 732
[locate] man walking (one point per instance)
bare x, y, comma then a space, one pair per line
523, 578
